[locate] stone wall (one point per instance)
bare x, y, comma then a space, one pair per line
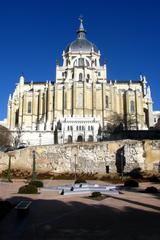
88, 157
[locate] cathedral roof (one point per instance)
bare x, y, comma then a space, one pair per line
81, 43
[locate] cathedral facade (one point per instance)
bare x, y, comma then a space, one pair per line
80, 102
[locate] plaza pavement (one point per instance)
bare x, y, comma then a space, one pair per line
126, 216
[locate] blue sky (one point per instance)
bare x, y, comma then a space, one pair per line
33, 35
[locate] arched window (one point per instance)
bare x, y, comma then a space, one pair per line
80, 77
80, 138
88, 76
63, 74
95, 62
16, 117
132, 106
106, 102
69, 139
29, 107
87, 63
81, 62
75, 63
90, 138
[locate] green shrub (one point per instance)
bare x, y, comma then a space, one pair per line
28, 189
80, 181
151, 190
17, 173
131, 183
136, 173
36, 183
96, 194
154, 179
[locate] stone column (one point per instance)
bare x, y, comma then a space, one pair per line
9, 112
150, 113
33, 111
45, 106
55, 101
40, 105
24, 109
73, 98
103, 103
93, 99
12, 115
20, 110
84, 98
49, 106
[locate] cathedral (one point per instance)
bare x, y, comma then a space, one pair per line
79, 102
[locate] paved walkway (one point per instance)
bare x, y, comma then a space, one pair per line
51, 216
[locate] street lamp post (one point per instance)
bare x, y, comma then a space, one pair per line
10, 155
34, 165
40, 139
75, 166
9, 169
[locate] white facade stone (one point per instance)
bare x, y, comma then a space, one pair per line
80, 101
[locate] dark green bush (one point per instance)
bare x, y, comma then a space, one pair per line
131, 183
151, 190
80, 181
154, 179
36, 183
16, 173
96, 194
28, 189
135, 173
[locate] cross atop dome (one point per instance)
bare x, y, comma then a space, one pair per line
81, 44
81, 33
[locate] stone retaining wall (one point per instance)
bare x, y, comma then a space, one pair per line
88, 157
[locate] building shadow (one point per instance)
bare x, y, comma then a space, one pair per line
64, 219
120, 160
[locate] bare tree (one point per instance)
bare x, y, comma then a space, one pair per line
116, 123
157, 126
119, 122
17, 137
5, 137
131, 123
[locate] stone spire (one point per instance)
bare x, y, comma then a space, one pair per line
81, 33
21, 78
10, 98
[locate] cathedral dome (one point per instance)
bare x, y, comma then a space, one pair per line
81, 43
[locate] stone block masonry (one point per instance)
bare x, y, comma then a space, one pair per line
88, 157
